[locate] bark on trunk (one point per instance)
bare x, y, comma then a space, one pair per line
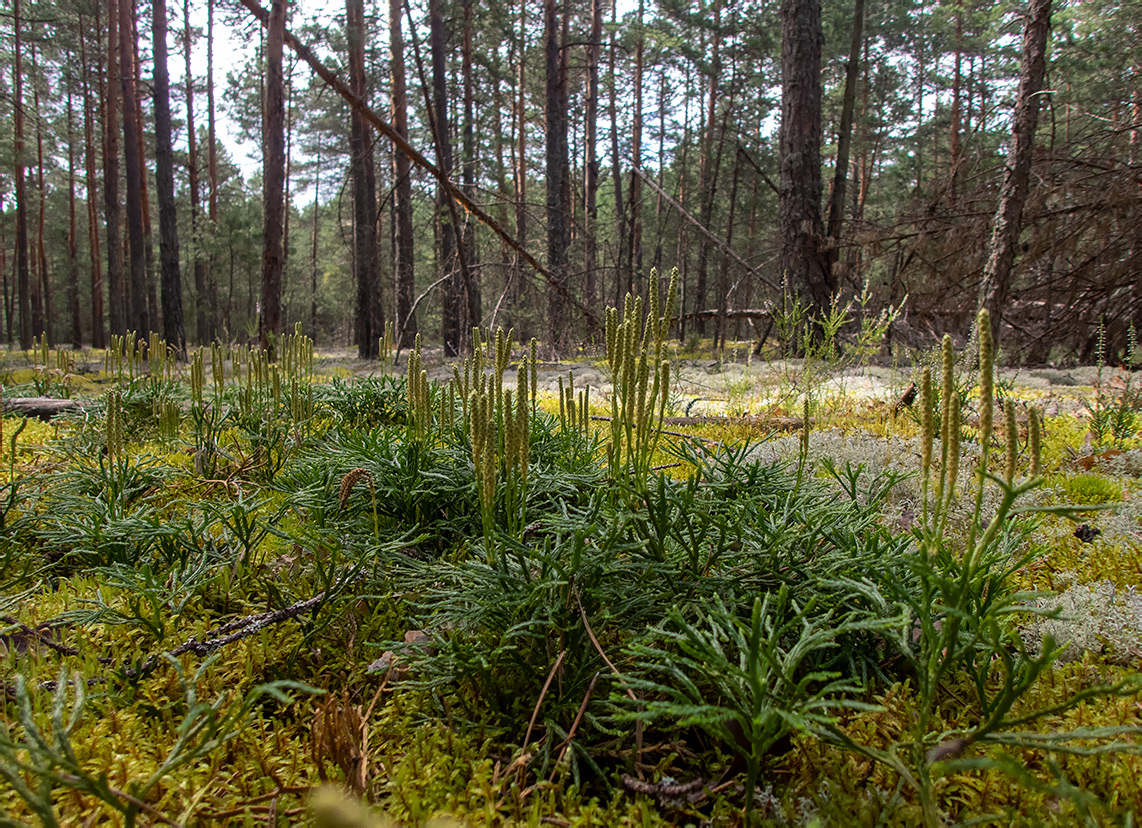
365, 259
556, 154
591, 165
707, 176
521, 292
97, 338
203, 327
468, 231
844, 142
23, 276
997, 273
116, 287
137, 316
43, 311
72, 245
212, 176
269, 323
616, 167
450, 323
171, 281
403, 253
634, 245
799, 186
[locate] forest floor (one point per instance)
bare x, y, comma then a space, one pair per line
217, 598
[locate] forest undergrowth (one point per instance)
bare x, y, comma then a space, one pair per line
236, 591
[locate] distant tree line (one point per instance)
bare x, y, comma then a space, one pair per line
527, 163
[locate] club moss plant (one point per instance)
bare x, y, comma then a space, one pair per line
482, 604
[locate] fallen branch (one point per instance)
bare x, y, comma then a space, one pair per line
775, 423
700, 227
236, 630
745, 313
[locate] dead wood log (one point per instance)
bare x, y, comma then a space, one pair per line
45, 408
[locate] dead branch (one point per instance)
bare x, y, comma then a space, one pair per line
700, 227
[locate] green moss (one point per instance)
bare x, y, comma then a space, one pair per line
1087, 489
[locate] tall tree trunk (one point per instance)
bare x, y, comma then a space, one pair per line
203, 329
212, 178
844, 142
23, 276
402, 182
365, 259
503, 193
173, 330
468, 231
133, 167
656, 261
72, 246
996, 283
634, 246
708, 175
116, 281
97, 338
43, 312
269, 322
799, 186
6, 287
724, 272
616, 167
591, 164
518, 270
313, 254
556, 165
154, 310
957, 109
451, 311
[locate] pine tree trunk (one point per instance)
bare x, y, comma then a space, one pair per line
313, 254
171, 281
365, 259
957, 108
203, 329
404, 265
116, 287
23, 276
997, 273
616, 167
154, 310
591, 165
555, 160
468, 231
451, 312
43, 310
269, 321
724, 272
518, 270
72, 246
844, 142
212, 179
634, 246
799, 186
97, 336
707, 177
133, 169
